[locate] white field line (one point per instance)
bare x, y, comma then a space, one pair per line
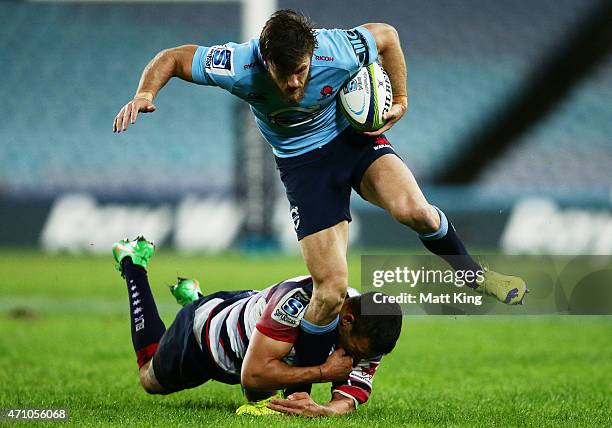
98, 306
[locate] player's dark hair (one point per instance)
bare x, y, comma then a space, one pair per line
381, 323
287, 37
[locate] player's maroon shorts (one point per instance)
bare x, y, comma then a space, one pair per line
318, 183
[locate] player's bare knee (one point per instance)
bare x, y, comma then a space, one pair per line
422, 218
148, 381
149, 389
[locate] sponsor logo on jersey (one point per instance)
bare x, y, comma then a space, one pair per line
324, 58
220, 60
249, 66
291, 308
359, 45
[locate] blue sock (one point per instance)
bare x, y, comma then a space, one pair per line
312, 348
446, 243
147, 326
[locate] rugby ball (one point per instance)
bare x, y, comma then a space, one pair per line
365, 98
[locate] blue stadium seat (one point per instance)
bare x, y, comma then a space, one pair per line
65, 78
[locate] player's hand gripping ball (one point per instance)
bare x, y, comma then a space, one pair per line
366, 98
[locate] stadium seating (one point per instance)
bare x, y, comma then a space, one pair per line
571, 150
65, 78
67, 69
464, 59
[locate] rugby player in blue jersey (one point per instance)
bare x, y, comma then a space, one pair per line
251, 337
290, 76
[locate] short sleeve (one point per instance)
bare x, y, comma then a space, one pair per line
363, 47
359, 384
215, 66
285, 308
197, 67
370, 44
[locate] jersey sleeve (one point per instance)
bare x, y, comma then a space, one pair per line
353, 49
358, 386
220, 65
285, 308
362, 41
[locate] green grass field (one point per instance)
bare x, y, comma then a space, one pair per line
65, 342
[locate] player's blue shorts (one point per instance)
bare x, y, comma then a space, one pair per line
318, 183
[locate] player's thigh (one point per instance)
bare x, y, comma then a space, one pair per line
390, 184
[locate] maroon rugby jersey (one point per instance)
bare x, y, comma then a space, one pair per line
225, 324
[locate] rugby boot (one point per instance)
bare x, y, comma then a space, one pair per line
186, 291
139, 250
510, 290
259, 408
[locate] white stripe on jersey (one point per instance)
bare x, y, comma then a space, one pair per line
255, 306
253, 312
231, 328
214, 331
200, 317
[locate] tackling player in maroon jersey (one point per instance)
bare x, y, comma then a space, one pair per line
249, 337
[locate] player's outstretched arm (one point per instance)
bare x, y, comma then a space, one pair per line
301, 404
394, 63
169, 63
263, 368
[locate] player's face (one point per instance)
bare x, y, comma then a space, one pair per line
292, 85
356, 346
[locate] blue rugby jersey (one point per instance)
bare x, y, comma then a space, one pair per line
291, 129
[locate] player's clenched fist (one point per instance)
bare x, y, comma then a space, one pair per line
337, 367
129, 113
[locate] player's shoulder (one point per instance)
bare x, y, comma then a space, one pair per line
343, 48
287, 300
299, 285
233, 60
